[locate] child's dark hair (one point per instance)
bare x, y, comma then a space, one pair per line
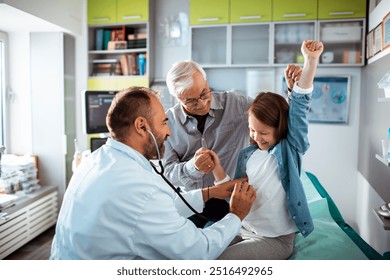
271, 109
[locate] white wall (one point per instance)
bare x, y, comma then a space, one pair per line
20, 102
369, 226
333, 156
165, 54
65, 13
367, 199
70, 17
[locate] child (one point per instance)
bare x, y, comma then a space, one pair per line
272, 163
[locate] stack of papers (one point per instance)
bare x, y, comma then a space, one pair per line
6, 200
19, 173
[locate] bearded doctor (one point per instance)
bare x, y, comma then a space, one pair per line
117, 207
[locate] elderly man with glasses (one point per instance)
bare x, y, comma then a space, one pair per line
201, 121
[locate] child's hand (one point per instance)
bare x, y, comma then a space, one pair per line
214, 157
312, 49
218, 170
292, 74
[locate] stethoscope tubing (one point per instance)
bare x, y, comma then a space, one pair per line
161, 173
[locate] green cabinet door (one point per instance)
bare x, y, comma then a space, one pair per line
101, 11
334, 9
209, 12
116, 83
132, 11
288, 10
250, 11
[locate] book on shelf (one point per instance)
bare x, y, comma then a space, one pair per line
134, 65
106, 67
124, 66
136, 40
106, 38
107, 70
99, 39
130, 38
105, 60
117, 45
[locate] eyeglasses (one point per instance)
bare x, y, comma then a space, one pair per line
192, 102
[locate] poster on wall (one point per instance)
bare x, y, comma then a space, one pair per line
330, 99
377, 39
370, 44
386, 31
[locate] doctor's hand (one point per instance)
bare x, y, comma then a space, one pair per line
242, 199
204, 161
224, 190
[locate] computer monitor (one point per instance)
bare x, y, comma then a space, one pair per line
95, 106
97, 142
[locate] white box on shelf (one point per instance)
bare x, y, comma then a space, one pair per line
341, 34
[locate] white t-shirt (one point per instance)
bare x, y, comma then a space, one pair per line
268, 216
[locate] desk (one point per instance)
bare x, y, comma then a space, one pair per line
31, 215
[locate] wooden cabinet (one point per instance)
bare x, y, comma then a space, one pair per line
53, 105
250, 44
31, 215
341, 9
101, 83
206, 12
118, 51
117, 11
101, 11
244, 41
288, 40
250, 11
287, 10
209, 45
343, 41
132, 11
231, 45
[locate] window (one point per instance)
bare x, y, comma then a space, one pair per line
3, 85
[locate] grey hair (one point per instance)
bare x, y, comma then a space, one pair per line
179, 77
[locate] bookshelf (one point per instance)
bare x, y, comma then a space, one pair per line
118, 56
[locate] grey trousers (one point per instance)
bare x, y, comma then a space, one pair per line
249, 246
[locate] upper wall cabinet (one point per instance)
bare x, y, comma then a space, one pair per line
117, 11
132, 11
287, 10
250, 11
337, 9
206, 12
118, 44
101, 11
254, 33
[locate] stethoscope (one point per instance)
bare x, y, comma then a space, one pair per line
160, 171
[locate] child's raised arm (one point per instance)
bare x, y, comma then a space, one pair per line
311, 51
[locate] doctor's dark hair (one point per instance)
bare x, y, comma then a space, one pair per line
271, 109
127, 105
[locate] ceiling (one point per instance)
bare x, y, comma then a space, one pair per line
15, 20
